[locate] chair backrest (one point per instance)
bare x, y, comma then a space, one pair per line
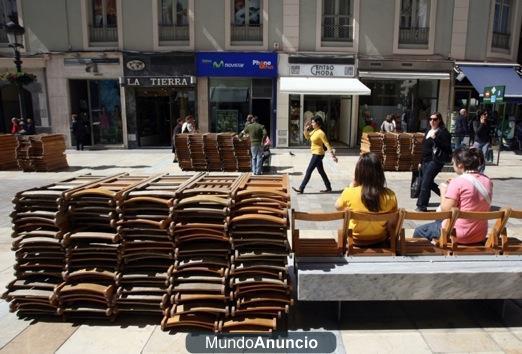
392, 220
318, 217
500, 216
430, 216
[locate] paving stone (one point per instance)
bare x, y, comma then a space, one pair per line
40, 338
165, 342
11, 326
461, 340
507, 341
382, 342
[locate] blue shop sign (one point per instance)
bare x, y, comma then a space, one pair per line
236, 64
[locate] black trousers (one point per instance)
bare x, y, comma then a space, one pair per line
315, 162
79, 143
429, 171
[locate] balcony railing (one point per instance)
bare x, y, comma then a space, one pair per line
414, 35
247, 33
3, 35
103, 34
337, 33
173, 33
501, 40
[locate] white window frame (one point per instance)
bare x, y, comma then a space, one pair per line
167, 46
228, 25
350, 47
86, 20
493, 52
431, 37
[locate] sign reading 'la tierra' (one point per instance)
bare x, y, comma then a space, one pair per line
159, 81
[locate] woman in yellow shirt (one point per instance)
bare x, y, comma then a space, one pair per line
368, 194
318, 141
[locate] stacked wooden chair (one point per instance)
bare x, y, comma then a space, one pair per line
23, 156
197, 152
227, 152
147, 251
8, 152
39, 223
198, 279
259, 283
212, 152
181, 142
47, 152
404, 151
416, 150
243, 156
93, 256
372, 142
390, 151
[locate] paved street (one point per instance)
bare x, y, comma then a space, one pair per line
387, 327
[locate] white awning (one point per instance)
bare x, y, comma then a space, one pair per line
405, 75
322, 86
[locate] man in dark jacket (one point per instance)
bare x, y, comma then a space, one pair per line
78, 129
461, 127
257, 134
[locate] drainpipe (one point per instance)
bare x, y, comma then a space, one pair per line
67, 25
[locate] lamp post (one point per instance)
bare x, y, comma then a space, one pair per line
15, 36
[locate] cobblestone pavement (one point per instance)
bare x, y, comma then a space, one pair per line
365, 327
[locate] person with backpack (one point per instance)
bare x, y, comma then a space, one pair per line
436, 151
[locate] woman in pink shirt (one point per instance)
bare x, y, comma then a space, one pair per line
470, 191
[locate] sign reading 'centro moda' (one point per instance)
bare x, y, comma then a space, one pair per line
322, 70
236, 64
158, 81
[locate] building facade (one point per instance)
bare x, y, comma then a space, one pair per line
131, 68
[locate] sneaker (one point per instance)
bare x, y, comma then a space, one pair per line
419, 209
329, 190
298, 190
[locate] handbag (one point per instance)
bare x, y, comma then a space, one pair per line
415, 186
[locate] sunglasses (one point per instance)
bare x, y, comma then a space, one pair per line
434, 119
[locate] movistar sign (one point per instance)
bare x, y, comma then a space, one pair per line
236, 64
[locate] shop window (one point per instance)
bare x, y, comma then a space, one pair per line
103, 26
247, 24
414, 27
7, 9
501, 25
229, 104
174, 22
336, 21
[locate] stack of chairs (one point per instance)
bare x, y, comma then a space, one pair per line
243, 156
39, 223
372, 142
260, 289
182, 152
212, 152
47, 152
23, 157
227, 151
93, 248
147, 251
8, 152
198, 279
416, 150
390, 151
404, 151
197, 152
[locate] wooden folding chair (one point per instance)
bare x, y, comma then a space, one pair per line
511, 245
319, 246
389, 245
409, 246
490, 246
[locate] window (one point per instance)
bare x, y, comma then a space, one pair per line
247, 25
174, 23
103, 21
7, 9
414, 23
336, 22
502, 24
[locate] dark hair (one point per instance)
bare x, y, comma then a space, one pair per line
369, 174
320, 122
470, 158
439, 117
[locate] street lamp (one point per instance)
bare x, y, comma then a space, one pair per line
15, 36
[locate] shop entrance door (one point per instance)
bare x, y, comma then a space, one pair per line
262, 107
154, 120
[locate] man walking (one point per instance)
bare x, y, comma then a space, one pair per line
461, 128
257, 134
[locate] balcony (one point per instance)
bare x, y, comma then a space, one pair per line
337, 33
170, 33
247, 33
501, 40
414, 35
103, 34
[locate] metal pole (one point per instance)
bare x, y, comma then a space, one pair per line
18, 63
501, 134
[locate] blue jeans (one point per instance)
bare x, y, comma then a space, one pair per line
315, 162
257, 159
484, 148
429, 231
429, 171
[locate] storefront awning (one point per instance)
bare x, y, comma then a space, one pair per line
405, 75
323, 86
482, 76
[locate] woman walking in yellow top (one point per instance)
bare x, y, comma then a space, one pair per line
318, 142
